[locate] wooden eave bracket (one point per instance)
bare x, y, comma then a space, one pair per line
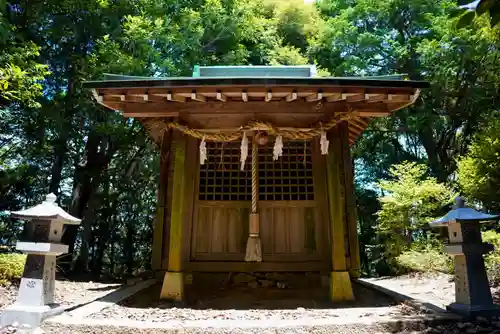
291, 97
198, 97
290, 94
269, 96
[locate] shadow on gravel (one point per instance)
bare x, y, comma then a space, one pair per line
205, 296
440, 326
105, 288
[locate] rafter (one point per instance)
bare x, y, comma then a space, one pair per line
221, 97
315, 97
197, 97
291, 97
269, 96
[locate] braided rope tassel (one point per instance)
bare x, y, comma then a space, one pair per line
254, 247
255, 187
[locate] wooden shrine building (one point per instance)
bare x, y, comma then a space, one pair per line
256, 172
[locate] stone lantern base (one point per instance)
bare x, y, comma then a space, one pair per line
31, 316
486, 311
35, 300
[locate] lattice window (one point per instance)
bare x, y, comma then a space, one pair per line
288, 178
221, 178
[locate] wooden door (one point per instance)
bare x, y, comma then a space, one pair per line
290, 223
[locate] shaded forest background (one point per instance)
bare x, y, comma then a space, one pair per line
55, 138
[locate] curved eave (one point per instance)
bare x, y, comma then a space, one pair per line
255, 81
364, 98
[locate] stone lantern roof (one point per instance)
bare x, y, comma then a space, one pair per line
462, 214
47, 210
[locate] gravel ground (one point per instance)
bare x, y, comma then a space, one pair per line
436, 287
162, 315
351, 329
273, 306
208, 309
66, 292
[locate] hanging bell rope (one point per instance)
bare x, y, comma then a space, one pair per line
254, 248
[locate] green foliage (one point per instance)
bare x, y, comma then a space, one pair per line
479, 170
11, 267
287, 55
492, 260
412, 200
20, 73
93, 159
427, 258
420, 39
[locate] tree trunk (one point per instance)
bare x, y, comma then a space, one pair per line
90, 217
103, 235
129, 246
98, 153
60, 150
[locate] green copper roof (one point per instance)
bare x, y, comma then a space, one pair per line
253, 76
119, 77
304, 71
275, 72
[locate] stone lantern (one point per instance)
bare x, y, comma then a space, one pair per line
472, 290
35, 300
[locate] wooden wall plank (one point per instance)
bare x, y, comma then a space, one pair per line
218, 231
201, 239
266, 230
233, 231
221, 232
296, 228
280, 231
310, 234
245, 222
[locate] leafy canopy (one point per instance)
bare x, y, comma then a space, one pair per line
412, 200
479, 170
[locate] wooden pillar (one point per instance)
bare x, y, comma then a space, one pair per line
340, 282
158, 240
350, 201
173, 287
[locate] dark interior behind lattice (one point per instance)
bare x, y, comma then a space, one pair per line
288, 178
